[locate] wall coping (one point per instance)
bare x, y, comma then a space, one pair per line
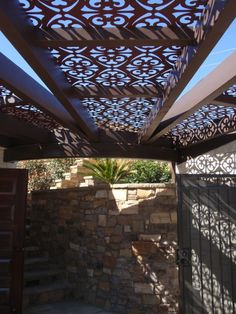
102, 186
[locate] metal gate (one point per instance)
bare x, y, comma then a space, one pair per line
207, 243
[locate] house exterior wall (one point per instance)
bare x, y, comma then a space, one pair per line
219, 161
5, 164
117, 243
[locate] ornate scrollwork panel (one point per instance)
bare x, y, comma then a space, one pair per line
7, 98
139, 13
12, 105
119, 114
208, 122
114, 71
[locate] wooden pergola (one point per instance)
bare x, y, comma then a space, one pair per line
115, 71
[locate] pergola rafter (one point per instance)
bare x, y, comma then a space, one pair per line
23, 131
115, 73
208, 90
17, 81
115, 37
207, 33
19, 31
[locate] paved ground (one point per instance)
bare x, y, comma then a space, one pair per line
65, 307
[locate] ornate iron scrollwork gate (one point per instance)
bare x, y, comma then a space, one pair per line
207, 243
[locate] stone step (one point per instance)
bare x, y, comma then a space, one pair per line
35, 278
46, 293
39, 263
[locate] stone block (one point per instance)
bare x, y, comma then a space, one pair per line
111, 222
127, 228
166, 191
115, 239
145, 193
109, 261
138, 226
132, 192
107, 270
90, 272
101, 194
102, 220
128, 208
151, 299
74, 246
143, 248
160, 218
104, 285
173, 216
72, 269
125, 252
143, 288
150, 237
118, 194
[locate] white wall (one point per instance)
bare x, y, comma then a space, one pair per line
219, 161
5, 164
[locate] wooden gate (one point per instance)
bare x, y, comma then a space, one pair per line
13, 191
207, 243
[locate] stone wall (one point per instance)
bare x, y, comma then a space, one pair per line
117, 243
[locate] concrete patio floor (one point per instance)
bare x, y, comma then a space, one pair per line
65, 307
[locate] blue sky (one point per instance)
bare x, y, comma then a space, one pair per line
224, 48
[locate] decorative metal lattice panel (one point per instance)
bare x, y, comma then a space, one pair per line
124, 113
125, 71
12, 105
111, 72
207, 231
138, 13
8, 98
208, 122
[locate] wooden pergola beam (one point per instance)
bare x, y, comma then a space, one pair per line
208, 89
115, 37
211, 27
21, 84
225, 100
97, 150
17, 129
17, 28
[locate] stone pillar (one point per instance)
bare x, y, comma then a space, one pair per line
5, 164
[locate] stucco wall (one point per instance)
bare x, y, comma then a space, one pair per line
219, 161
5, 164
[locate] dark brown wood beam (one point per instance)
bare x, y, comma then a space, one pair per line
204, 147
225, 100
17, 129
115, 37
21, 84
208, 32
17, 28
96, 150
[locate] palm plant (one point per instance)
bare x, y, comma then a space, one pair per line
108, 170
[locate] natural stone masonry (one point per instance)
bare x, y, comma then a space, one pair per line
117, 243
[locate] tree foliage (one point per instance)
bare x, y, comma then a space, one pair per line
43, 173
146, 171
108, 170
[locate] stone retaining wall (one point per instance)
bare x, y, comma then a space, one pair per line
117, 243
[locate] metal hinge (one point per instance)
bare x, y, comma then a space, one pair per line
183, 257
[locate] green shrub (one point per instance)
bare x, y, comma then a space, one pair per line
146, 171
108, 170
43, 173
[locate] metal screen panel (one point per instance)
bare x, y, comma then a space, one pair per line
207, 243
